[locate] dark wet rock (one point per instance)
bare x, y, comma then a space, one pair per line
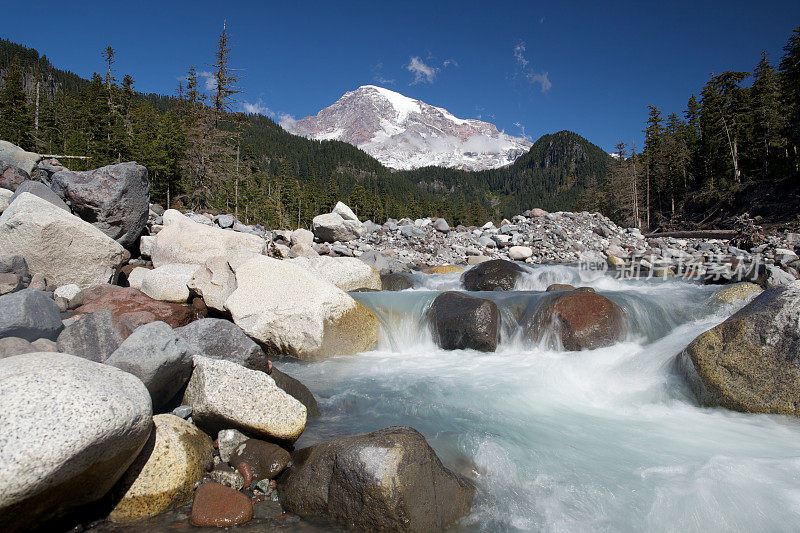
216, 505
222, 339
395, 282
577, 320
387, 480
132, 308
266, 460
29, 314
115, 199
560, 287
496, 274
460, 321
751, 361
296, 390
93, 336
42, 191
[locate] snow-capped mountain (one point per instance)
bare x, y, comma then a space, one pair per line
404, 133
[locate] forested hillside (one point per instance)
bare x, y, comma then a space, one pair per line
733, 150
740, 135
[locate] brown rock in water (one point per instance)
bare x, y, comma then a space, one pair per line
460, 321
216, 505
494, 275
133, 308
387, 480
265, 460
581, 320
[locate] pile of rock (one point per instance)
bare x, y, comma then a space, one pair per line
156, 407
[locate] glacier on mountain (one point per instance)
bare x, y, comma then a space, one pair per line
403, 133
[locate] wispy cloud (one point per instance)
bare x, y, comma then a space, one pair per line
286, 121
378, 77
527, 72
211, 81
450, 62
257, 108
422, 71
522, 131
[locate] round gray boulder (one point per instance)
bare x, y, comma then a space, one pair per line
69, 430
29, 314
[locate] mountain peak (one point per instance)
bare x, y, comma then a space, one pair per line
405, 133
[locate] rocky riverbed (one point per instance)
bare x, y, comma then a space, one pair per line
168, 370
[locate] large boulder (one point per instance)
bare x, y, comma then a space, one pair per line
750, 362
222, 339
40, 190
58, 245
13, 155
493, 275
69, 430
155, 354
185, 241
115, 199
93, 336
291, 311
164, 474
387, 480
29, 314
382, 263
169, 283
225, 395
347, 273
214, 281
460, 321
332, 227
396, 282
575, 320
132, 308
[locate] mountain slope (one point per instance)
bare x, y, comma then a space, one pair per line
403, 133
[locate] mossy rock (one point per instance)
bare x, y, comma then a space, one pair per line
749, 362
163, 476
736, 292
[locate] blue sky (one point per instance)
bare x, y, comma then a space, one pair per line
527, 66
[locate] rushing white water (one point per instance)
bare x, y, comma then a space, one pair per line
603, 440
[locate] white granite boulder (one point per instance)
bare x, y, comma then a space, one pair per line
69, 430
225, 395
291, 310
214, 281
169, 283
185, 241
60, 246
347, 273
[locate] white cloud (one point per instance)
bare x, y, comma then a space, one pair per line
448, 62
534, 78
421, 71
286, 121
211, 81
257, 108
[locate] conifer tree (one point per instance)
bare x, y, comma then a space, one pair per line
15, 119
789, 69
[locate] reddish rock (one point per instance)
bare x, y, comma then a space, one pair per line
581, 320
133, 308
216, 505
199, 306
264, 460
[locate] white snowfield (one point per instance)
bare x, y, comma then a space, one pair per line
403, 133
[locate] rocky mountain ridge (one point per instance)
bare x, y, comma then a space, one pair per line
403, 133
